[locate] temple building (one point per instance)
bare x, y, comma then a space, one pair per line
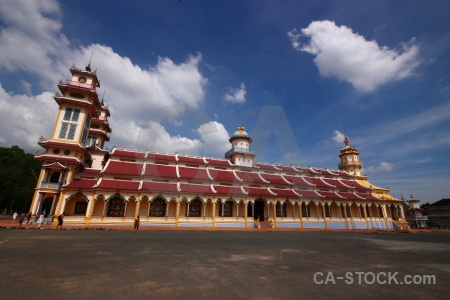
415, 215
96, 187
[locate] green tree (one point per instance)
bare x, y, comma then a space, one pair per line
17, 179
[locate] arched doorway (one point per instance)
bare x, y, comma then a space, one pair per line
47, 206
259, 209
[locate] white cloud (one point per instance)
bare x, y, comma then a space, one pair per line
338, 137
215, 138
134, 95
23, 120
31, 38
154, 137
348, 56
383, 167
236, 95
423, 160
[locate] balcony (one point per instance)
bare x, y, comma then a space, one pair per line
79, 84
239, 150
50, 185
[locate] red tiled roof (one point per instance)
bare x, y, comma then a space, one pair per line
160, 156
193, 173
259, 192
442, 202
330, 195
288, 169
159, 187
285, 193
196, 188
55, 165
160, 171
190, 159
250, 177
81, 184
118, 184
90, 171
335, 183
274, 179
60, 144
367, 196
349, 196
220, 162
298, 181
127, 153
308, 194
123, 168
317, 181
353, 183
228, 190
306, 170
69, 160
265, 166
222, 175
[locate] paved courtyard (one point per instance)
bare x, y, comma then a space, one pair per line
194, 264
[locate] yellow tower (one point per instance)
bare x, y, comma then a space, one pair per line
77, 139
350, 160
240, 153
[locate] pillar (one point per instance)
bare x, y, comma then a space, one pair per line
324, 215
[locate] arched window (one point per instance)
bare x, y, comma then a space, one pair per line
281, 209
305, 210
327, 210
195, 208
227, 209
158, 208
116, 207
55, 177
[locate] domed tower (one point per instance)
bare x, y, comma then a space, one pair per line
240, 153
350, 159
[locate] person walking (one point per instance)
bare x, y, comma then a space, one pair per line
60, 220
21, 219
136, 224
40, 220
28, 217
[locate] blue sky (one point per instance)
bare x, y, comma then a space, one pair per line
179, 76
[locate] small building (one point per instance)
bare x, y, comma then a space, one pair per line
415, 215
439, 213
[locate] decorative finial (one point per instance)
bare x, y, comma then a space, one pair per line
346, 141
88, 67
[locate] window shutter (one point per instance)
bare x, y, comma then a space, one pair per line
72, 129
68, 113
76, 113
62, 133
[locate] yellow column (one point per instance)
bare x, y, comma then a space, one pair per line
383, 207
365, 216
214, 213
324, 216
178, 211
245, 213
274, 215
301, 214
138, 206
61, 204
345, 215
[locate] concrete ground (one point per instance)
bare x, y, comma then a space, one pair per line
225, 264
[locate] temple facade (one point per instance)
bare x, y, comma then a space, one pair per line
96, 187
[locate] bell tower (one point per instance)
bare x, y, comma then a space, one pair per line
77, 140
350, 159
240, 153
